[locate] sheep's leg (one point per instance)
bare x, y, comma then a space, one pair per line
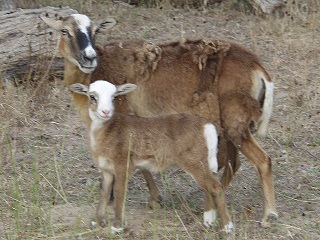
119, 197
155, 196
251, 149
105, 192
232, 166
214, 198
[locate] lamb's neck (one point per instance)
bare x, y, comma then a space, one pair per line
72, 74
96, 128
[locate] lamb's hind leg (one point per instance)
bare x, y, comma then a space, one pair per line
215, 198
155, 196
251, 149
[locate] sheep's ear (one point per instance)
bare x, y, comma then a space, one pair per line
105, 24
55, 24
125, 88
79, 88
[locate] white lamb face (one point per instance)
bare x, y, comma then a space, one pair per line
102, 94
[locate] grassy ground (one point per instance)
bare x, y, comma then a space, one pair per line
49, 187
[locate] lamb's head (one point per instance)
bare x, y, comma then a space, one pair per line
77, 38
101, 95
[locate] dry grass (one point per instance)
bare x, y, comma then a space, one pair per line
49, 188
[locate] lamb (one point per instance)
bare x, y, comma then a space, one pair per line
216, 79
186, 141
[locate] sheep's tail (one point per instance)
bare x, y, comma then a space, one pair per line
266, 103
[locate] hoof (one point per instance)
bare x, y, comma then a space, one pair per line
115, 230
93, 224
101, 221
155, 204
228, 228
266, 222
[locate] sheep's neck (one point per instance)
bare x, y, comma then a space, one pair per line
97, 130
72, 74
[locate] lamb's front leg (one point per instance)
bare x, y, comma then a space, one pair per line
121, 179
105, 192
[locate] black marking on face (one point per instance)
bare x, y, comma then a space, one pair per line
83, 40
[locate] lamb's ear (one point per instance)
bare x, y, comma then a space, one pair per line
79, 88
55, 24
125, 88
105, 24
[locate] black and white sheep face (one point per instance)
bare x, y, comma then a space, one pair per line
81, 42
77, 39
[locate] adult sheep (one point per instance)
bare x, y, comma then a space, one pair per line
218, 80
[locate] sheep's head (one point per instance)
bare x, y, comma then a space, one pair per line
77, 38
101, 95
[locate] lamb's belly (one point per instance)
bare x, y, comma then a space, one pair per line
153, 166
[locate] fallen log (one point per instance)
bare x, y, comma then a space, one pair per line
266, 6
26, 43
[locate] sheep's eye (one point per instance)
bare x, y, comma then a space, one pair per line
93, 99
64, 31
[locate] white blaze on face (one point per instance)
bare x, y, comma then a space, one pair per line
83, 21
211, 137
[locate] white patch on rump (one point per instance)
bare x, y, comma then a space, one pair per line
211, 137
258, 79
266, 109
209, 217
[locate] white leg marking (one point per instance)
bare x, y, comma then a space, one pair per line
209, 217
115, 230
229, 227
211, 137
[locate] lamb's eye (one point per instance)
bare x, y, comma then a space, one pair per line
65, 31
93, 99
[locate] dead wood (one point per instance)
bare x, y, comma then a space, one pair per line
26, 43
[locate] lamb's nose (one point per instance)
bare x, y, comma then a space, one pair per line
106, 112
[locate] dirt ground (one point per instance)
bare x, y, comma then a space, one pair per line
49, 187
